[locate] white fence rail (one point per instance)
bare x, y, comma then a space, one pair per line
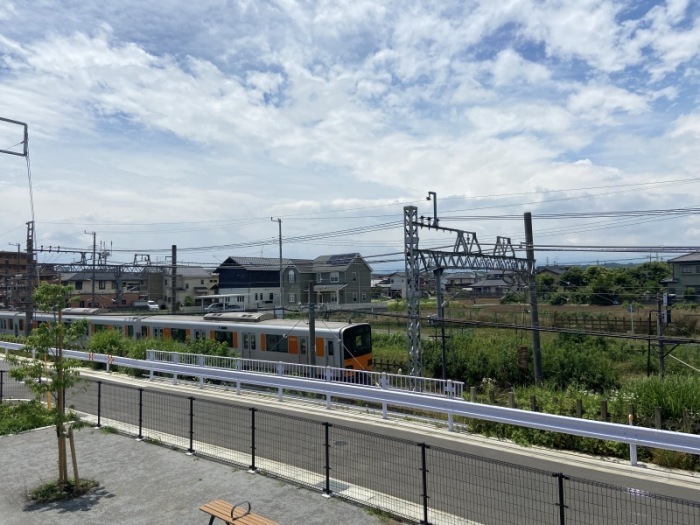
634, 436
395, 381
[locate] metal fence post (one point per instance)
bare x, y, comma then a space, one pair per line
424, 482
99, 404
2, 383
140, 436
252, 467
176, 360
561, 504
200, 362
327, 490
280, 372
150, 356
383, 382
190, 450
450, 415
238, 380
633, 446
329, 378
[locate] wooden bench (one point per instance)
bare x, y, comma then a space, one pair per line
233, 514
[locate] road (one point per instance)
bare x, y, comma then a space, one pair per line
488, 481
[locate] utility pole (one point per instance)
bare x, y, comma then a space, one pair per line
438, 286
312, 324
94, 261
532, 286
659, 332
15, 290
279, 222
29, 306
173, 284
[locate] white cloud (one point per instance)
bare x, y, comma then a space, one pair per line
600, 103
307, 108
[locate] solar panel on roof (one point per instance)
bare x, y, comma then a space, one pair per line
342, 259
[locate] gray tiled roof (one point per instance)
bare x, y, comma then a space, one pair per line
691, 257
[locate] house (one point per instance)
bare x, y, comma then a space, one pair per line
112, 288
257, 279
192, 281
497, 283
554, 271
455, 282
339, 280
686, 274
342, 279
397, 285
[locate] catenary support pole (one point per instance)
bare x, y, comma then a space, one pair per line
532, 287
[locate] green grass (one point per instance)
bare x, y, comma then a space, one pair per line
20, 417
55, 491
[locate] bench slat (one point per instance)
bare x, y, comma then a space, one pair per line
221, 509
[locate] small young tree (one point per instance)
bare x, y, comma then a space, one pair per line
47, 374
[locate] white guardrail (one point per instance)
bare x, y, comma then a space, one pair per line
634, 436
423, 385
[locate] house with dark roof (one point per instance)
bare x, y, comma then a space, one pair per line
686, 274
497, 283
339, 279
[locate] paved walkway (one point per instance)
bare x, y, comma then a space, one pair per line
141, 483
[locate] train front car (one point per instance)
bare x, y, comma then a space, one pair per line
357, 347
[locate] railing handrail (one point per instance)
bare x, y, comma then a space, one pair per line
632, 435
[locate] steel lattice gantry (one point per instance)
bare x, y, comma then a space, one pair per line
466, 254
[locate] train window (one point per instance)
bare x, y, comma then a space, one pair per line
200, 334
224, 337
9, 324
21, 324
178, 334
331, 349
158, 333
130, 331
276, 343
144, 331
303, 343
2, 324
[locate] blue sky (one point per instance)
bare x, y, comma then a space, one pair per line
160, 123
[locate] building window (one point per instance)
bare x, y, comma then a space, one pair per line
319, 277
201, 281
684, 269
240, 299
354, 297
292, 298
187, 286
335, 277
354, 276
292, 277
272, 296
101, 285
364, 297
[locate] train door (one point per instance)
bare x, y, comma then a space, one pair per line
303, 348
330, 353
249, 345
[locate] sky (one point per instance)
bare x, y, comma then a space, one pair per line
200, 124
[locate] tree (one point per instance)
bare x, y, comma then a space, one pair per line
55, 378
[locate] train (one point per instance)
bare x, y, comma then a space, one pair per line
251, 335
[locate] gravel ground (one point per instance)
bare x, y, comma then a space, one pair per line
141, 483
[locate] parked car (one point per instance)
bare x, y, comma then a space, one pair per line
221, 307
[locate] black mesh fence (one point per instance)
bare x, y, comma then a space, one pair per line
594, 502
290, 447
415, 481
11, 389
464, 486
